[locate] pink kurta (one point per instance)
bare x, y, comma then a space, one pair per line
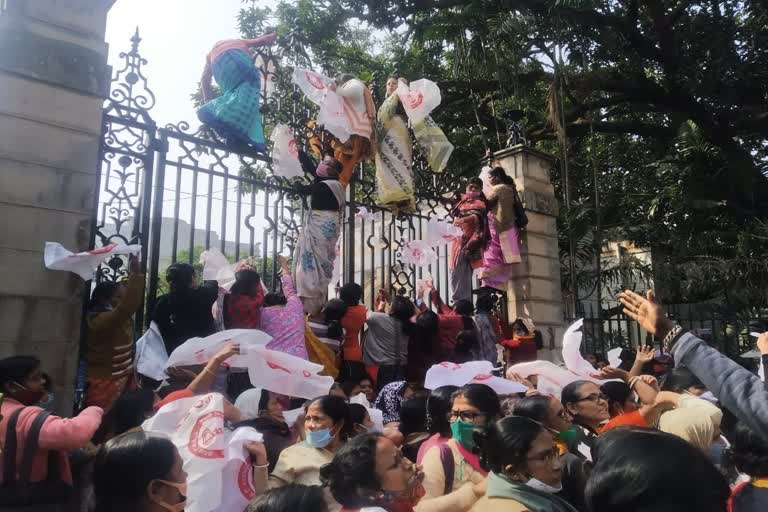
58, 434
286, 323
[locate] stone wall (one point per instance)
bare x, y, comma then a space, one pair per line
53, 79
534, 291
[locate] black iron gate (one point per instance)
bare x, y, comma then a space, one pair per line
180, 191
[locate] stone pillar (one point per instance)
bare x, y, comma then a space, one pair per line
534, 291
53, 80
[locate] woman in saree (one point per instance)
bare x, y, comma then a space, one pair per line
359, 113
235, 114
503, 250
470, 214
316, 248
394, 155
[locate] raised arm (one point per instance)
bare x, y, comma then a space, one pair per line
265, 40
644, 355
205, 379
131, 302
434, 296
70, 433
205, 82
737, 389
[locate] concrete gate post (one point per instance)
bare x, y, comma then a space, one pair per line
53, 80
534, 291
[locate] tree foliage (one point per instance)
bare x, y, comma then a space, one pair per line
661, 106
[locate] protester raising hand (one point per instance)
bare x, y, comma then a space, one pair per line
735, 387
205, 379
644, 355
647, 312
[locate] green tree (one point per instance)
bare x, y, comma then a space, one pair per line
660, 105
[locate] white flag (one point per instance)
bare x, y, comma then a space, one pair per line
419, 253
614, 357
317, 88
285, 153
151, 356
572, 351
216, 462
473, 372
84, 264
286, 374
196, 351
419, 98
440, 232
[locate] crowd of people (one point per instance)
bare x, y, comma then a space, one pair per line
684, 429
681, 428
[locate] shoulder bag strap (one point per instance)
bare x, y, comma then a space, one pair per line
9, 455
449, 466
31, 446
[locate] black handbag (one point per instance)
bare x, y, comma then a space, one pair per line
521, 219
21, 492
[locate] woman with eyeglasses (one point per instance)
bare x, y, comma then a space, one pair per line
452, 471
370, 471
524, 468
588, 407
548, 411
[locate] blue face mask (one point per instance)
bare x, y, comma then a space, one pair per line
47, 404
319, 439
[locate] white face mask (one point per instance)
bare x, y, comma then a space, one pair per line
541, 486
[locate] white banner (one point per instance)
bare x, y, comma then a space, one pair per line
286, 374
216, 462
419, 98
473, 372
151, 357
285, 153
196, 351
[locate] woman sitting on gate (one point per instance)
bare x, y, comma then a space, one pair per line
235, 114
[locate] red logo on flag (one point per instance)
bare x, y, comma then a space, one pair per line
483, 376
292, 149
276, 366
415, 98
208, 428
314, 80
244, 481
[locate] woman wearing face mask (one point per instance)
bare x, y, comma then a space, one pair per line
139, 472
109, 337
370, 471
524, 468
453, 470
327, 427
21, 383
470, 215
548, 411
360, 419
261, 410
588, 407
